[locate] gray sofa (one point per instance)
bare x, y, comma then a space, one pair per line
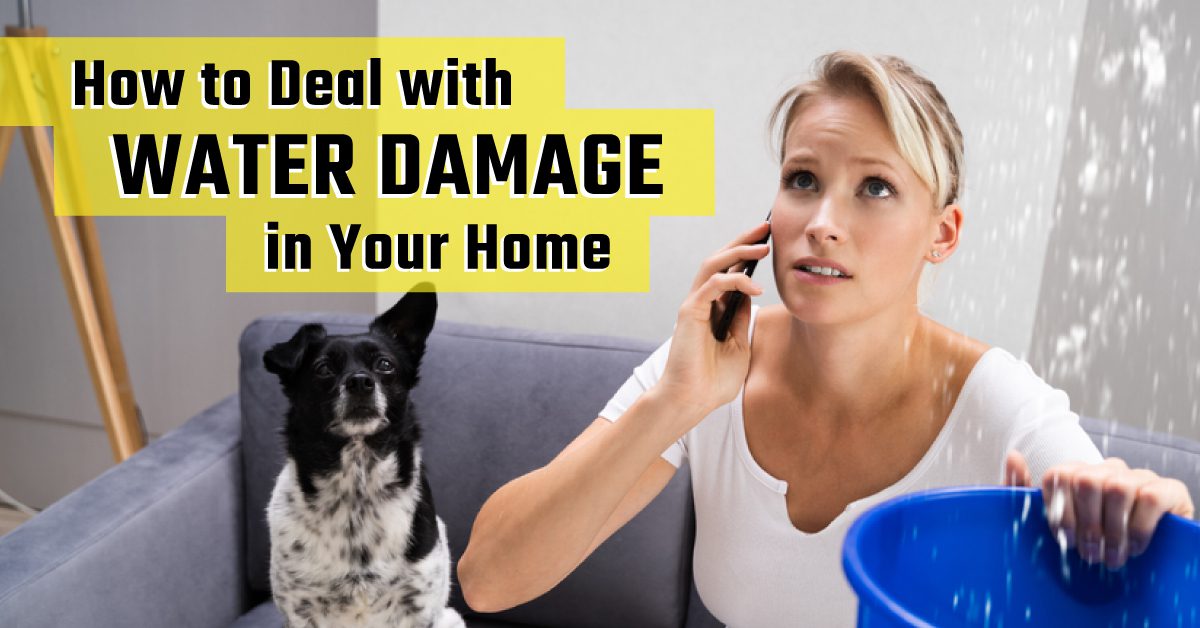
176, 536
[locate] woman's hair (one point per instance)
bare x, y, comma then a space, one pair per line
916, 113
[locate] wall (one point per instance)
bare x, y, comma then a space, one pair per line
1007, 72
1082, 130
1071, 219
167, 275
1118, 320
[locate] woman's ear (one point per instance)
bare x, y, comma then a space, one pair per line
945, 236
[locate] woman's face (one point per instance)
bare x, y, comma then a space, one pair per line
848, 201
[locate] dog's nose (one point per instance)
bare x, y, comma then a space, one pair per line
360, 383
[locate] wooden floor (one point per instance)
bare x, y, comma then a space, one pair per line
10, 518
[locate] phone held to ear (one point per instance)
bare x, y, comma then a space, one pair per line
721, 324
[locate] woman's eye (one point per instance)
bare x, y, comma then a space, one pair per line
803, 180
322, 369
384, 365
878, 188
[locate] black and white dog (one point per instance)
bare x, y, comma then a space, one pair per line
355, 540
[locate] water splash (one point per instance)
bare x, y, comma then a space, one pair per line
1064, 563
1116, 326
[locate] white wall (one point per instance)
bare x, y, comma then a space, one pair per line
1007, 72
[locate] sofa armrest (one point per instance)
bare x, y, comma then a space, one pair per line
156, 540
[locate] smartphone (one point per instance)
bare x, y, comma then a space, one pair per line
720, 325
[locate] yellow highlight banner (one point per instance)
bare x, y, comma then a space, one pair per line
364, 164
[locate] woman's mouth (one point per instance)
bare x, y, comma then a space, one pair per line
821, 272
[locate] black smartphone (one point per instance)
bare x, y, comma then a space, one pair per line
720, 324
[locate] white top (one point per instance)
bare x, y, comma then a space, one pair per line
754, 569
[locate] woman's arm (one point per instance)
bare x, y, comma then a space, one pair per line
536, 529
1101, 507
1106, 509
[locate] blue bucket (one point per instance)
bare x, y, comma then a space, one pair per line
984, 556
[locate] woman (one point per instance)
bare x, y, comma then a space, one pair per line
841, 397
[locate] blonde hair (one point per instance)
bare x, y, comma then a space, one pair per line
916, 113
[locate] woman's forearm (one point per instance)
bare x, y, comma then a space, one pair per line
533, 531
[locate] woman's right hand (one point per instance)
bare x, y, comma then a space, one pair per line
701, 372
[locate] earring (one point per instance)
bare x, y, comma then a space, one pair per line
936, 254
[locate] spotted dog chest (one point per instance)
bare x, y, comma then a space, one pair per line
341, 555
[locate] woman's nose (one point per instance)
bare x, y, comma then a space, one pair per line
823, 227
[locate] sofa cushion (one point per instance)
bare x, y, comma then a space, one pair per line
496, 404
267, 615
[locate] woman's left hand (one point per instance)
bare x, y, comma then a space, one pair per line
1110, 509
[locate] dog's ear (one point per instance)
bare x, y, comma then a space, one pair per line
410, 319
284, 358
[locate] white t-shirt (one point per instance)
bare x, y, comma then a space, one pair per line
754, 569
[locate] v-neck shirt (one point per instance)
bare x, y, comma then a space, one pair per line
754, 568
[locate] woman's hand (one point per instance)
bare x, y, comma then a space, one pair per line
1108, 509
701, 372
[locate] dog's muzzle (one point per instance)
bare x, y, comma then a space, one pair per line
361, 407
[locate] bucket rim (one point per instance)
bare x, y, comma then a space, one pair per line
865, 586
868, 590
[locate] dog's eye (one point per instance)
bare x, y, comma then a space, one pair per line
384, 365
322, 369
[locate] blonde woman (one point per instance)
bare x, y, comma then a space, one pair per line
811, 411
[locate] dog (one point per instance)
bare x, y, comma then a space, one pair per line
355, 540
